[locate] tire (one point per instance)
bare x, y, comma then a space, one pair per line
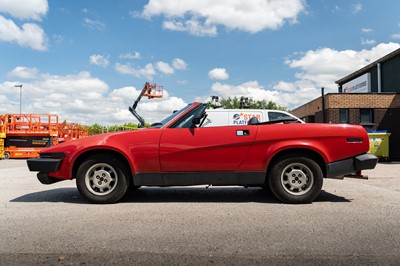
296, 180
132, 187
266, 187
6, 156
102, 179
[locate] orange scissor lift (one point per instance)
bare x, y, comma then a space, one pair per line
28, 134
71, 131
2, 134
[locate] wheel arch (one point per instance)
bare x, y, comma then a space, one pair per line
82, 157
297, 152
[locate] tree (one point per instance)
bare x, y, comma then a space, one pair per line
100, 129
95, 129
248, 103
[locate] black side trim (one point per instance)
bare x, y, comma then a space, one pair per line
58, 155
354, 140
276, 121
204, 178
44, 165
147, 179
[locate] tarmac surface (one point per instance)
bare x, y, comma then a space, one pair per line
352, 222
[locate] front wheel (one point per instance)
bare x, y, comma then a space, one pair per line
296, 180
102, 179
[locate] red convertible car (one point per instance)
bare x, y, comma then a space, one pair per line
290, 158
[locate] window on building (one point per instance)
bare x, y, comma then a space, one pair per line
366, 116
344, 116
310, 119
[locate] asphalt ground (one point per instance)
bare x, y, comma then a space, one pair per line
352, 222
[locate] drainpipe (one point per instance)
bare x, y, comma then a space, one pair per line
323, 104
378, 66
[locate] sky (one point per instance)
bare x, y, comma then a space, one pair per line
87, 60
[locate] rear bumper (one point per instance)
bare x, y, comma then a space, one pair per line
349, 166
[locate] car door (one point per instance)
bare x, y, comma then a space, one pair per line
209, 149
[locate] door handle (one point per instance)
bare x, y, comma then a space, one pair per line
242, 132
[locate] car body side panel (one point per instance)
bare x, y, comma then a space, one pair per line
205, 149
144, 151
330, 142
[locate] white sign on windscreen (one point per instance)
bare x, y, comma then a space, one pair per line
358, 85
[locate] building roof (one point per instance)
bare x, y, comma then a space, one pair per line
366, 68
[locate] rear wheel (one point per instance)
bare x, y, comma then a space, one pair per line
102, 179
296, 180
6, 156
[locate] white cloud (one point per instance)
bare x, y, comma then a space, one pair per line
322, 67
367, 41
24, 72
124, 93
395, 36
125, 69
218, 73
182, 82
193, 27
94, 24
357, 8
150, 70
316, 69
82, 83
58, 38
56, 94
179, 64
99, 60
25, 9
147, 72
202, 17
29, 35
284, 86
325, 65
335, 8
134, 55
81, 98
164, 68
367, 30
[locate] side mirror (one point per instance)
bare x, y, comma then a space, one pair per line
196, 121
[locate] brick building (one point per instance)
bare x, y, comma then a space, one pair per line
369, 97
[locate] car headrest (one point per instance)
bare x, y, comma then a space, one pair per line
253, 121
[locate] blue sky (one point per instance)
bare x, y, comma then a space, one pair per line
87, 60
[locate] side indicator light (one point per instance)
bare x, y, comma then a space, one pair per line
354, 140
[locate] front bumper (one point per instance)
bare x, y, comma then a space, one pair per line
349, 166
43, 165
